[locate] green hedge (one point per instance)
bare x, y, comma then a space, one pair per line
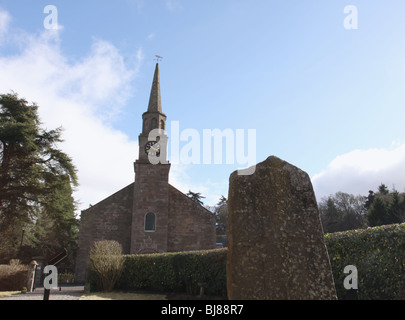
378, 254
176, 272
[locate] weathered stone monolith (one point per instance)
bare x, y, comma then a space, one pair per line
276, 247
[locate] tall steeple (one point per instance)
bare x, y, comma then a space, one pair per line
154, 118
155, 102
150, 215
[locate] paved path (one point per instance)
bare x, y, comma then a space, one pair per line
67, 293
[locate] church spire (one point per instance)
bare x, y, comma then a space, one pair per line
155, 103
154, 118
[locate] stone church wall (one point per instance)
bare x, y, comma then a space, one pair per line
191, 226
110, 219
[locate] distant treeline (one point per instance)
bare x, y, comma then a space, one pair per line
343, 211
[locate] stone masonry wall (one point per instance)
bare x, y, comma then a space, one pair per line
150, 196
191, 226
110, 219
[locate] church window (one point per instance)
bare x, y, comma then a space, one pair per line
162, 124
150, 222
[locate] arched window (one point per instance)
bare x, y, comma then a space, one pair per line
150, 222
162, 124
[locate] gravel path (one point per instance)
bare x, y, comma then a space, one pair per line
67, 293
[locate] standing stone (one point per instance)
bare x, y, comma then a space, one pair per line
31, 275
275, 237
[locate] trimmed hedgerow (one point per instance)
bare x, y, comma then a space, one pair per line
176, 272
151, 272
378, 254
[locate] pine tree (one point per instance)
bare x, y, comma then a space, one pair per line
221, 214
195, 196
385, 207
395, 212
383, 189
330, 216
36, 180
377, 214
370, 199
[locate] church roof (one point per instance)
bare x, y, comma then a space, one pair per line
155, 103
127, 191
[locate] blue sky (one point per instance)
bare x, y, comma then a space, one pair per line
326, 99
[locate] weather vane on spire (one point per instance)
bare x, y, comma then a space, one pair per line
158, 58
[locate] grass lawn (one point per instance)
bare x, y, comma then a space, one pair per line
8, 293
122, 296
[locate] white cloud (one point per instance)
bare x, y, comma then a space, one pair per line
80, 96
83, 96
359, 171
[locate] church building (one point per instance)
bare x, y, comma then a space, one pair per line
149, 215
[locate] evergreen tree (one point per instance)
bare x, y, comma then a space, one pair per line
341, 212
344, 211
330, 216
383, 189
195, 196
377, 214
36, 179
221, 214
396, 213
370, 199
385, 207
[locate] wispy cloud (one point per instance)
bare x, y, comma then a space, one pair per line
359, 171
81, 96
5, 20
174, 6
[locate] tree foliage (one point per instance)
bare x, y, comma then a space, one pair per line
221, 214
342, 211
385, 207
36, 180
195, 196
